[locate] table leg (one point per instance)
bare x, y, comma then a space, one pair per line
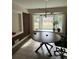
39, 47
48, 50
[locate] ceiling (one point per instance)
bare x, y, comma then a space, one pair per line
32, 4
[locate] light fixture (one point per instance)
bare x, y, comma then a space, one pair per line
46, 8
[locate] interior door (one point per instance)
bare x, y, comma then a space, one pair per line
26, 23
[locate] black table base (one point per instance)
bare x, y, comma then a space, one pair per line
44, 43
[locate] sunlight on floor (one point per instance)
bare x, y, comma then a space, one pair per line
27, 44
31, 42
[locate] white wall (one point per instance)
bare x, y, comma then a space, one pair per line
16, 22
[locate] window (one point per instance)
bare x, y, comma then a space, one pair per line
58, 20
40, 22
36, 19
47, 23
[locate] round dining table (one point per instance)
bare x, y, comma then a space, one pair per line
45, 37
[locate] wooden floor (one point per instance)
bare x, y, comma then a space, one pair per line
27, 51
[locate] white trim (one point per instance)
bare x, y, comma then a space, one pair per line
22, 21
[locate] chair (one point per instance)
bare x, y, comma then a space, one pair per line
63, 44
